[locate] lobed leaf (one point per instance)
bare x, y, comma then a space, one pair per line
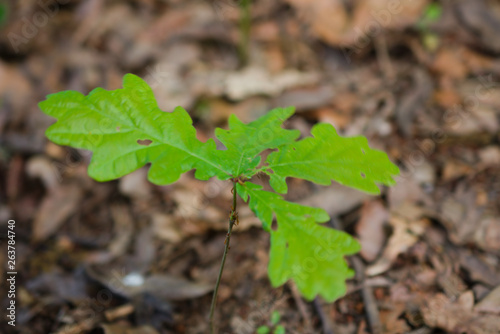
245, 142
327, 156
301, 249
126, 130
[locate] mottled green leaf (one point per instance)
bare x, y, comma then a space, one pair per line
327, 156
301, 249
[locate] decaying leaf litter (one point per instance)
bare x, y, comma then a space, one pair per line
427, 94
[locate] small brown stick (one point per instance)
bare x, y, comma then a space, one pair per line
326, 322
383, 58
371, 308
302, 308
119, 312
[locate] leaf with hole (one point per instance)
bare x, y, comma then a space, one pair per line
126, 130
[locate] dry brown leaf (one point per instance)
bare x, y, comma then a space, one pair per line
388, 14
469, 223
15, 92
255, 80
490, 303
330, 21
442, 313
487, 235
166, 228
123, 329
335, 118
406, 190
123, 230
370, 229
481, 19
489, 156
458, 317
56, 207
407, 229
450, 63
336, 199
393, 324
136, 184
130, 284
454, 169
304, 99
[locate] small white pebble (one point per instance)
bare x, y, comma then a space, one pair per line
133, 279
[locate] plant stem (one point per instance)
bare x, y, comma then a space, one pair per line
245, 22
232, 220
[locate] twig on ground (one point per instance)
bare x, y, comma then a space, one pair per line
301, 305
371, 308
326, 322
383, 58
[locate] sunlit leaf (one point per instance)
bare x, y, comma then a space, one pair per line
126, 130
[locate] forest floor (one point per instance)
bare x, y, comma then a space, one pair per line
420, 80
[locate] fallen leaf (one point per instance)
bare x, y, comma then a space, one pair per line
490, 303
370, 229
458, 316
124, 329
130, 284
407, 230
336, 199
136, 184
489, 156
255, 80
55, 209
43, 168
331, 22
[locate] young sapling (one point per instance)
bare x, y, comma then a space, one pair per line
126, 130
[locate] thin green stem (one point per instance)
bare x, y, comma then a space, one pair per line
245, 22
233, 216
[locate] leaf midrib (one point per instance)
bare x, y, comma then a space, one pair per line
134, 127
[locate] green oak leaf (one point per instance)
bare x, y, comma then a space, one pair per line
327, 156
302, 250
245, 142
126, 130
